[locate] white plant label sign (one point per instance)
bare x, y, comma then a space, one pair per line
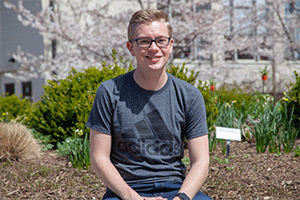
228, 133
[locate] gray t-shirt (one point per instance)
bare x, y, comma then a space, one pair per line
148, 127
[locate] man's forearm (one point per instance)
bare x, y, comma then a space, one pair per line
199, 156
107, 172
194, 179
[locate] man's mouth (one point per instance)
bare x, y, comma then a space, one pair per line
153, 58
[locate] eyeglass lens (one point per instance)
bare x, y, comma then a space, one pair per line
146, 42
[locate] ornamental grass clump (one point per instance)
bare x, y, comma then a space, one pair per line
17, 142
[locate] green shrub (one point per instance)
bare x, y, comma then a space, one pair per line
14, 108
293, 101
226, 94
242, 100
182, 73
212, 111
66, 104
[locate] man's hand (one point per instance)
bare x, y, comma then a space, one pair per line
155, 198
176, 198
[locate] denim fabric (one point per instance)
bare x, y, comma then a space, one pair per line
164, 189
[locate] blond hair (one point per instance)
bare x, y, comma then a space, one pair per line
147, 16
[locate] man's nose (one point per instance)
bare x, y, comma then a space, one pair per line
153, 45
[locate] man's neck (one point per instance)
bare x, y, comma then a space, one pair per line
150, 81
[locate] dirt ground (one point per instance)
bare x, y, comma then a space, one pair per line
247, 175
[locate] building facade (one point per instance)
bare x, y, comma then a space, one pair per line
14, 35
232, 66
247, 36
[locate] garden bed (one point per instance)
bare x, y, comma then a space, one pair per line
247, 175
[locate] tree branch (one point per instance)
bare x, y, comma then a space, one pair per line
290, 39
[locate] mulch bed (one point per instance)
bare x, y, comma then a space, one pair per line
246, 175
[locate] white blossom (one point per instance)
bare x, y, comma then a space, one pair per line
86, 32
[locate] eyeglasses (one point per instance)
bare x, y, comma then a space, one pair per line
146, 42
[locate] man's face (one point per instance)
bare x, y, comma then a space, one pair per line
153, 57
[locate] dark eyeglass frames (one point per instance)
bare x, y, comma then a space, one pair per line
146, 42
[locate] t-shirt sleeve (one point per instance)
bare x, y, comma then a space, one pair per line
196, 124
101, 113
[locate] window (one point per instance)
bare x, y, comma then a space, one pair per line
244, 55
26, 90
230, 55
181, 51
200, 7
9, 89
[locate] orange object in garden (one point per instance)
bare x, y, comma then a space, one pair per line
264, 77
212, 84
264, 73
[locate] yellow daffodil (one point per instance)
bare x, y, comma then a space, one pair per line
79, 132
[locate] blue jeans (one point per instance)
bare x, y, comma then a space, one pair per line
164, 189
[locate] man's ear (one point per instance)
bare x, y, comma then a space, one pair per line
130, 48
171, 45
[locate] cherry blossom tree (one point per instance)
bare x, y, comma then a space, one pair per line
212, 31
85, 33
